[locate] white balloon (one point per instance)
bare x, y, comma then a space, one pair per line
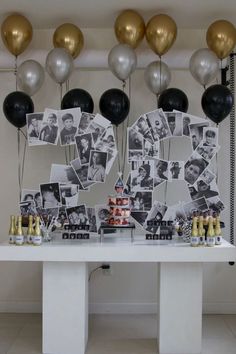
59, 65
122, 61
30, 76
204, 66
157, 76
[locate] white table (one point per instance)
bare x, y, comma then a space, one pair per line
65, 289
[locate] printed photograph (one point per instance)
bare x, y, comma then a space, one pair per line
84, 144
27, 208
85, 120
92, 220
142, 175
210, 137
189, 119
50, 194
102, 214
195, 206
208, 176
175, 123
127, 186
207, 152
215, 204
139, 216
49, 131
155, 215
69, 194
81, 172
31, 195
64, 174
98, 127
196, 133
97, 166
47, 214
141, 126
68, 121
62, 217
174, 213
194, 167
142, 201
135, 140
107, 140
158, 124
176, 170
151, 150
77, 215
202, 189
160, 171
135, 155
34, 124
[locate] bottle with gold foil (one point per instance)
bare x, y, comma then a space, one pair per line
194, 235
210, 233
12, 230
30, 231
201, 232
218, 235
37, 238
19, 238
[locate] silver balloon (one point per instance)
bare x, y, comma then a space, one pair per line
30, 76
204, 66
157, 76
122, 61
59, 65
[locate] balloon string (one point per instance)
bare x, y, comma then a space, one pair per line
23, 158
65, 148
126, 132
166, 183
15, 71
160, 72
67, 85
116, 132
19, 164
217, 125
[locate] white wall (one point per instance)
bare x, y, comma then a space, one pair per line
133, 287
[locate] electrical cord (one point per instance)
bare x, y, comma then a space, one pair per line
103, 266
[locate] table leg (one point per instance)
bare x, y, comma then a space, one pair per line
180, 308
65, 307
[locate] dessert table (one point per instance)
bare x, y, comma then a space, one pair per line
65, 288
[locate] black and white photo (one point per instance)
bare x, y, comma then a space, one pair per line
215, 204
31, 195
97, 166
135, 155
189, 119
175, 123
208, 176
196, 133
102, 214
81, 172
62, 217
202, 189
92, 219
207, 152
68, 121
34, 124
151, 150
176, 170
27, 208
139, 216
174, 213
210, 136
141, 127
64, 174
142, 175
141, 201
69, 194
194, 167
50, 193
196, 205
84, 144
135, 140
49, 129
155, 215
158, 124
98, 127
77, 215
85, 120
160, 171
107, 140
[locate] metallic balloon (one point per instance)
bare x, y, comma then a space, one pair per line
221, 38
122, 61
16, 33
161, 32
130, 28
59, 65
70, 37
157, 76
30, 76
204, 66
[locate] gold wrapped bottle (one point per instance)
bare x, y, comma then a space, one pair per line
210, 233
30, 231
12, 230
201, 232
194, 235
218, 235
37, 238
19, 232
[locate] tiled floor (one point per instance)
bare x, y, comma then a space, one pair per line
114, 334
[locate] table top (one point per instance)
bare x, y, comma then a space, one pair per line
118, 250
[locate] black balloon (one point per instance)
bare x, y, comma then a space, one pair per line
217, 102
78, 98
15, 107
114, 105
173, 98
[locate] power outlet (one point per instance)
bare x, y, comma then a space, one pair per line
107, 271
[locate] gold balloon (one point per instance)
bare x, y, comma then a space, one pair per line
221, 38
70, 37
161, 33
16, 33
130, 28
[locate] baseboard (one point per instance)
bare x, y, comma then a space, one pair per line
220, 308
